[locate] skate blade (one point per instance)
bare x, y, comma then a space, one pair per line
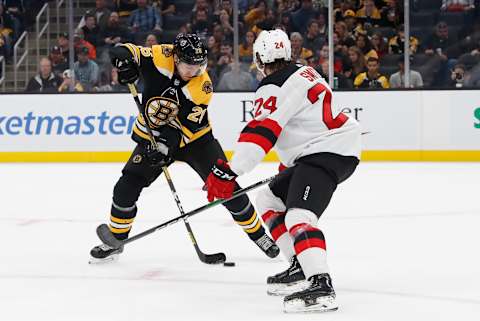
284, 289
109, 259
323, 304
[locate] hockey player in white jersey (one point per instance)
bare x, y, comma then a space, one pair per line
320, 147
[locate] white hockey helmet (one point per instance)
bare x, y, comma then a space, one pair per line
269, 46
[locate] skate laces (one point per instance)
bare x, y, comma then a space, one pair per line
321, 280
294, 265
264, 242
105, 247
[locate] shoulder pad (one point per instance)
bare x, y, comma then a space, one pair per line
163, 59
199, 90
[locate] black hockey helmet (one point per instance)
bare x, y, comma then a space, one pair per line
190, 49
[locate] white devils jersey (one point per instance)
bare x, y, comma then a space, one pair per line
294, 113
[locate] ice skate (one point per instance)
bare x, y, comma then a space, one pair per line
318, 297
104, 253
268, 246
289, 281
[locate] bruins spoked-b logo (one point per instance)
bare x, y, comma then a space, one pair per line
162, 110
137, 159
207, 87
167, 51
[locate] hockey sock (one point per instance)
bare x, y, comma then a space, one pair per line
275, 222
310, 248
249, 222
121, 220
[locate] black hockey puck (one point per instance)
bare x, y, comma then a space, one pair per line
229, 264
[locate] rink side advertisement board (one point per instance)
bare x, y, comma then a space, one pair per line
396, 125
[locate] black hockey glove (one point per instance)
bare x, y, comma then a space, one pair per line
168, 142
160, 156
127, 71
127, 68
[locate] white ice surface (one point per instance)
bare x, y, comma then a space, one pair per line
403, 243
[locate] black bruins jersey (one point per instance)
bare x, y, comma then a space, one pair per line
168, 100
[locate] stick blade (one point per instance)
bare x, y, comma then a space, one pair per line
217, 258
106, 236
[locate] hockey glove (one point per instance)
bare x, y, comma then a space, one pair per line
127, 68
221, 181
157, 157
127, 71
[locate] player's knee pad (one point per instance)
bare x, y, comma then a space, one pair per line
267, 201
128, 189
296, 216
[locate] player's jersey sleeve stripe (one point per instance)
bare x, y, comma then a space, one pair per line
267, 123
259, 140
263, 133
140, 134
134, 50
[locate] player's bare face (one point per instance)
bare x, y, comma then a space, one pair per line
187, 72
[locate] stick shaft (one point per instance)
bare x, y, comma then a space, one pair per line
198, 210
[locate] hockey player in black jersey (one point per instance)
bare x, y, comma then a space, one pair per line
176, 94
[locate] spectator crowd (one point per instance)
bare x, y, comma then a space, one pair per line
368, 41
16, 16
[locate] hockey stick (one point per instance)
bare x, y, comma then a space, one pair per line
216, 258
107, 237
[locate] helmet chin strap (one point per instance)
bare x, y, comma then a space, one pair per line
260, 65
262, 69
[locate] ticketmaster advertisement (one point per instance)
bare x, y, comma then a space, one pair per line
56, 123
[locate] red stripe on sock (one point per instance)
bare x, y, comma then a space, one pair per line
293, 230
310, 243
278, 231
267, 216
302, 227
